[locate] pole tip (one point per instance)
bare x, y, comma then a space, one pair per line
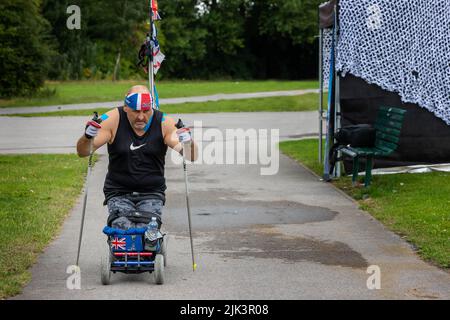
194, 267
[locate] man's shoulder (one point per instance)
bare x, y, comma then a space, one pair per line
165, 119
110, 122
110, 113
110, 116
167, 124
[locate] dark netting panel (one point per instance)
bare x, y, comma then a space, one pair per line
424, 137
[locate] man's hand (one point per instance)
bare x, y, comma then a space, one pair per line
176, 136
92, 127
184, 135
102, 133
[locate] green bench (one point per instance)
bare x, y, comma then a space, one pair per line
388, 126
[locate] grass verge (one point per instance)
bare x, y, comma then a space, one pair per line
415, 206
70, 92
36, 194
307, 102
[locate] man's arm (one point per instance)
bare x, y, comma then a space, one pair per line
104, 134
171, 140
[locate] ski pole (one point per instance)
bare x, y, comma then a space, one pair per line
180, 125
91, 142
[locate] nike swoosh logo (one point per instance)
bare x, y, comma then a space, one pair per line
132, 147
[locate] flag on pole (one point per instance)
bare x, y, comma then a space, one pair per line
158, 56
155, 14
157, 60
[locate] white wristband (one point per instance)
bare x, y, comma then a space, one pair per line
184, 136
91, 131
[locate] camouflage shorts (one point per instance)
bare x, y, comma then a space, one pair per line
124, 208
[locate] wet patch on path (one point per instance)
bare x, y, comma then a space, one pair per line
267, 242
222, 209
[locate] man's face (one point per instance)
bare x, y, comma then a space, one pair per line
138, 118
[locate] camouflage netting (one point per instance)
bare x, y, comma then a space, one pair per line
402, 46
327, 38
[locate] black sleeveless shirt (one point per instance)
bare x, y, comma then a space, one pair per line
136, 163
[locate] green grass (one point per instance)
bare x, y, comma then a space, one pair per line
36, 194
416, 206
100, 91
307, 102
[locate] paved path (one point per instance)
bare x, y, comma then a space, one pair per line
284, 236
111, 104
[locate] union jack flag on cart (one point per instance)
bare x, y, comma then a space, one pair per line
119, 243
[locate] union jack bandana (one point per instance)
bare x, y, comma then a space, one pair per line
139, 101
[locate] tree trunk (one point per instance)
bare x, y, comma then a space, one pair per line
116, 67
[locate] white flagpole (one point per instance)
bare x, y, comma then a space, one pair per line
150, 59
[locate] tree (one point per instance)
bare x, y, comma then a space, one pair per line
240, 38
280, 36
107, 43
225, 22
201, 38
25, 49
296, 20
182, 39
118, 26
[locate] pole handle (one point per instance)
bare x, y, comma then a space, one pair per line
179, 124
96, 118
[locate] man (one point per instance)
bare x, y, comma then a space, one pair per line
137, 138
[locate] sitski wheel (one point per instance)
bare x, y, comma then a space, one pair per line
164, 249
105, 267
159, 269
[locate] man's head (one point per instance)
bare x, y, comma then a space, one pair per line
138, 106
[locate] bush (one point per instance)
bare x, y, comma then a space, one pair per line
24, 53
